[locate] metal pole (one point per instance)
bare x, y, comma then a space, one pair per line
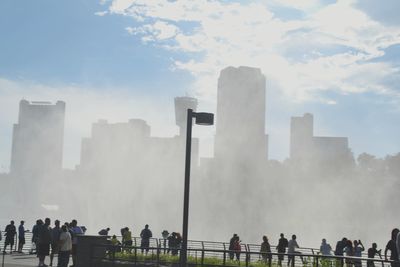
183, 256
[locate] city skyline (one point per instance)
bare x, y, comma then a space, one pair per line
110, 63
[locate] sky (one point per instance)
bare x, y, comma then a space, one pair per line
122, 59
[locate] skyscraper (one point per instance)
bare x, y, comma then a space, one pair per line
37, 144
240, 124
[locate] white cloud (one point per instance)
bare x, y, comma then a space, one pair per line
338, 42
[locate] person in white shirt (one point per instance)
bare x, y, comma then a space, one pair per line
65, 247
292, 250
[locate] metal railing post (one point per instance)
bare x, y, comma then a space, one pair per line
224, 259
158, 252
202, 253
247, 256
135, 251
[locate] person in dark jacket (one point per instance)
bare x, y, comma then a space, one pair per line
145, 235
231, 247
44, 241
10, 233
281, 248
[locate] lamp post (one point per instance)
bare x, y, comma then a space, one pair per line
202, 118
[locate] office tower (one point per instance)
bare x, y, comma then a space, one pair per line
37, 144
307, 148
240, 124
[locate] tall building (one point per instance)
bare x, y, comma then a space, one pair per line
182, 104
310, 149
37, 144
240, 124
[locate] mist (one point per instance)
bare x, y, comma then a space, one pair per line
128, 176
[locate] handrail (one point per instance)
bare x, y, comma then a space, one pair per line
316, 257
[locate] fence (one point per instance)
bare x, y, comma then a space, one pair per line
159, 256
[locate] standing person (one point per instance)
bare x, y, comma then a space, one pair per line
371, 254
44, 241
172, 243
266, 250
10, 233
231, 247
282, 245
21, 236
55, 240
165, 235
358, 249
75, 230
237, 247
325, 248
127, 238
391, 245
292, 250
35, 236
349, 250
339, 250
145, 235
65, 247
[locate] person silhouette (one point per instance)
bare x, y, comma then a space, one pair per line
145, 235
281, 248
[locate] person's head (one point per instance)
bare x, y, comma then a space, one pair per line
282, 235
146, 226
40, 222
12, 222
265, 238
395, 231
374, 245
64, 228
66, 224
323, 241
74, 223
294, 237
344, 239
22, 222
355, 242
126, 229
349, 243
114, 237
57, 223
108, 229
47, 221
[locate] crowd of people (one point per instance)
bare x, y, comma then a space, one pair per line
352, 250
62, 240
49, 241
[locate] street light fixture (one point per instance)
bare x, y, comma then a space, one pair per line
201, 118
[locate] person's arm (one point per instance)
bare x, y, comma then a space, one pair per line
361, 244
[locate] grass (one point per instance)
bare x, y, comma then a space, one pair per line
193, 261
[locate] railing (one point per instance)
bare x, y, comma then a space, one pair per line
158, 256
27, 248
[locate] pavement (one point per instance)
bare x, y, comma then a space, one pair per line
20, 260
